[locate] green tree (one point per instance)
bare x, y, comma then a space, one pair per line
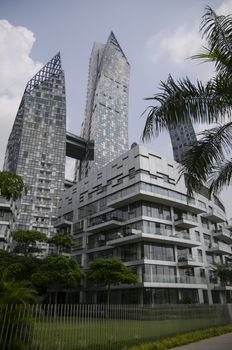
62, 242
209, 159
11, 185
17, 292
26, 241
14, 299
224, 273
57, 273
110, 272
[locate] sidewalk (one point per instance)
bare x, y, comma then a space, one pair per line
222, 342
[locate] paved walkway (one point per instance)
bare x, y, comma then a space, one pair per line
222, 342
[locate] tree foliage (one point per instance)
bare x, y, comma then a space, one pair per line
26, 241
17, 292
110, 272
18, 267
57, 273
62, 242
224, 273
209, 159
11, 185
14, 299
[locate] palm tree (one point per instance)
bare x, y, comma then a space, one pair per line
16, 318
209, 159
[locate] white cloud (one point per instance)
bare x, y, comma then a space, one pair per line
183, 42
225, 8
176, 46
16, 68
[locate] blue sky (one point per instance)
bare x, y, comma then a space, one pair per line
156, 35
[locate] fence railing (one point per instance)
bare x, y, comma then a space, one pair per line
95, 327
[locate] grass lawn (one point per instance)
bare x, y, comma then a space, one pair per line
74, 334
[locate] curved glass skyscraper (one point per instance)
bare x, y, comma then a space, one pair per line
106, 112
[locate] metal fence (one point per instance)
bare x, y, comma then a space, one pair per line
84, 327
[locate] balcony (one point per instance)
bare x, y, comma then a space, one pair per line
191, 281
219, 285
153, 193
62, 222
220, 249
3, 236
215, 216
223, 235
186, 221
188, 260
175, 238
104, 223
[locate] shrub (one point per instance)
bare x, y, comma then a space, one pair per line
182, 339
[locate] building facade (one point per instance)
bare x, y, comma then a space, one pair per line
36, 148
106, 113
182, 137
136, 209
5, 221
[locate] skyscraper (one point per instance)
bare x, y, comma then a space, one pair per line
106, 112
36, 148
182, 137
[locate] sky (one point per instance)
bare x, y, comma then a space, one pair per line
157, 37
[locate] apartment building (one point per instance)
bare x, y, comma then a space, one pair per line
5, 219
136, 208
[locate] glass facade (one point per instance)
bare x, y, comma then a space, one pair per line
5, 219
106, 113
36, 148
182, 137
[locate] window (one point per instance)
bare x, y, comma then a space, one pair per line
199, 254
197, 235
158, 252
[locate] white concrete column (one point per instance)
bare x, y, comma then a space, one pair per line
200, 296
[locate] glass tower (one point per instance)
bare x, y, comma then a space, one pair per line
106, 112
36, 148
182, 137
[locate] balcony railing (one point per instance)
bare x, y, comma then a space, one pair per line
187, 259
223, 235
188, 217
102, 220
186, 221
220, 248
62, 222
215, 215
152, 192
173, 279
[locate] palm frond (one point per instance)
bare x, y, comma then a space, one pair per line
221, 176
223, 64
181, 101
200, 159
217, 30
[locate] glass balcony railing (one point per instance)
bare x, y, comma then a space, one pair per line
173, 279
220, 248
187, 217
160, 232
153, 189
104, 219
